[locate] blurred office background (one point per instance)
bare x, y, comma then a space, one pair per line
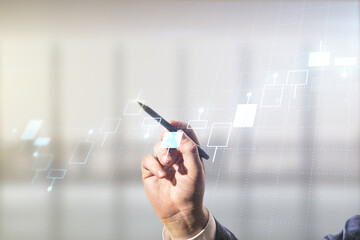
76, 64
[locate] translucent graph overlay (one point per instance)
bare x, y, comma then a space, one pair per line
55, 174
150, 122
197, 124
109, 126
81, 152
41, 162
297, 78
219, 136
272, 95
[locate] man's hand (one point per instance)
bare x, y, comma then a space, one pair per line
175, 184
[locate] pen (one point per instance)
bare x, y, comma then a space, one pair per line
168, 126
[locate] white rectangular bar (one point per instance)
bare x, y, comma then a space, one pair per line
245, 115
319, 59
31, 129
42, 141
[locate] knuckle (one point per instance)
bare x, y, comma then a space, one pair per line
154, 169
193, 147
183, 124
190, 146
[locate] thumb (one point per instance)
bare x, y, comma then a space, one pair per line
189, 151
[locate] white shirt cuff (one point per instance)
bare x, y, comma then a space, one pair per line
208, 233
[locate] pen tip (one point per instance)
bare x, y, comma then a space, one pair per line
140, 103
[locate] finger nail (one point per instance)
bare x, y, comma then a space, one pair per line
161, 173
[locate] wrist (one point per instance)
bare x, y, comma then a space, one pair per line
187, 223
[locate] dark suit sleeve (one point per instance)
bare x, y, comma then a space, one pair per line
222, 233
351, 230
